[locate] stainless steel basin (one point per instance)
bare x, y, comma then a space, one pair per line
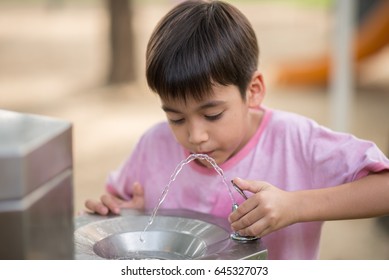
174, 234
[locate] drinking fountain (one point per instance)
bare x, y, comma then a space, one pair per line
174, 234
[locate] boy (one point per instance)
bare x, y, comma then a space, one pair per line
202, 62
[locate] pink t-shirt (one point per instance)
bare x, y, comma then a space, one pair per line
288, 150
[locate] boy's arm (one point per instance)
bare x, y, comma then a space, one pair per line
270, 208
364, 198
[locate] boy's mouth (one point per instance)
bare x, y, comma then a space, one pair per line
209, 153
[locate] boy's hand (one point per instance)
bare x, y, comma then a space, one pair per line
110, 203
267, 210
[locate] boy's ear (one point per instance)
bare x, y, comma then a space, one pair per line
256, 90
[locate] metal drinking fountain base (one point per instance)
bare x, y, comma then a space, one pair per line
174, 234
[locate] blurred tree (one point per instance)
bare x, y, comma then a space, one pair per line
122, 64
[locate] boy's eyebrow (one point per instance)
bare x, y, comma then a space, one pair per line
209, 104
171, 110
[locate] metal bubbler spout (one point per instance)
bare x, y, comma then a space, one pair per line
236, 236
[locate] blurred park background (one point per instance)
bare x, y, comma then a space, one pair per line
83, 61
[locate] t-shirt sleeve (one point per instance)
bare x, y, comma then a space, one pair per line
121, 180
149, 156
338, 158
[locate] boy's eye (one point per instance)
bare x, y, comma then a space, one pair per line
178, 121
214, 117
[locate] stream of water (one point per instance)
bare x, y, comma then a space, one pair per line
173, 178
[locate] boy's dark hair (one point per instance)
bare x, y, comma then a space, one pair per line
199, 44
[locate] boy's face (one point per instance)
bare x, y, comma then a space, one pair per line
218, 126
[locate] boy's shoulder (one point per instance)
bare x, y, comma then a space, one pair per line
284, 120
158, 141
160, 128
301, 129
160, 132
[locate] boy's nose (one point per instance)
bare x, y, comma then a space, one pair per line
197, 134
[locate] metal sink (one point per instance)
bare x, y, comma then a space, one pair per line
174, 234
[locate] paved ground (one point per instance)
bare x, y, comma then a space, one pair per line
53, 61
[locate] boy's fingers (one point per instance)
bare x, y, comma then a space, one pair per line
138, 189
138, 200
110, 202
251, 186
96, 207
